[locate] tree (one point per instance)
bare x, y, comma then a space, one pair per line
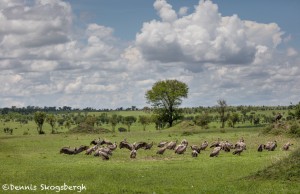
51, 119
113, 121
233, 119
165, 97
39, 118
202, 120
222, 105
144, 120
129, 120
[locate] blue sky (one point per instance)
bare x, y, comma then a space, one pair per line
107, 54
127, 17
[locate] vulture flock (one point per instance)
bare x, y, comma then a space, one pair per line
104, 148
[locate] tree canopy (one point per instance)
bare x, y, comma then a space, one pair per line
166, 96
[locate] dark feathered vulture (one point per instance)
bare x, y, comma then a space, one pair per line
138, 145
95, 142
260, 148
125, 144
67, 150
161, 150
148, 146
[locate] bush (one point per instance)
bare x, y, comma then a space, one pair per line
295, 129
122, 129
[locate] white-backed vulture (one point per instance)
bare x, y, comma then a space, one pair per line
180, 149
113, 146
215, 144
286, 146
133, 153
184, 142
204, 145
196, 148
103, 155
240, 145
238, 151
195, 153
271, 145
215, 152
171, 145
91, 150
162, 144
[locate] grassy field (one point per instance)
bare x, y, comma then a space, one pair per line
34, 160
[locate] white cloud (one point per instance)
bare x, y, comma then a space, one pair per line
204, 36
47, 60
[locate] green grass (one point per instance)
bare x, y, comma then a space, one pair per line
35, 159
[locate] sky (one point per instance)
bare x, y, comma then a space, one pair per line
107, 54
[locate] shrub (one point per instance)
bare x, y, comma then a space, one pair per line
295, 129
122, 129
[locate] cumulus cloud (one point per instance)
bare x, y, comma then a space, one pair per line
47, 60
204, 36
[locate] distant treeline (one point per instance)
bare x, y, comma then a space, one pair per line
186, 110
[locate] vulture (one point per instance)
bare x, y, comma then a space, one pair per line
95, 141
113, 146
184, 142
204, 145
138, 145
286, 146
277, 117
104, 150
81, 149
161, 150
107, 142
240, 145
238, 151
215, 144
133, 153
180, 149
67, 150
195, 153
195, 148
215, 152
103, 155
260, 148
125, 144
171, 145
162, 144
91, 149
148, 146
270, 146
226, 146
